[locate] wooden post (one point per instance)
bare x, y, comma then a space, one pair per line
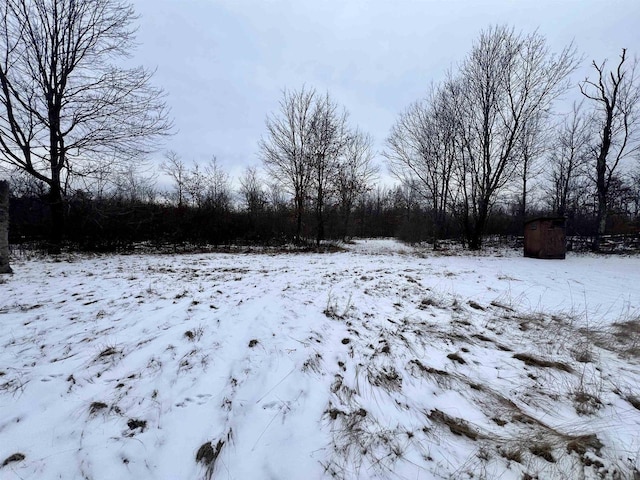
4, 227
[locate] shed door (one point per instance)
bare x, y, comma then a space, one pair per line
554, 240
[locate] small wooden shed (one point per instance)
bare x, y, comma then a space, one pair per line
544, 237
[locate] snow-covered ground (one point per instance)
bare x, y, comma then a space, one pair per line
385, 361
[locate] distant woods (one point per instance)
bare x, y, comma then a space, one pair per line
482, 151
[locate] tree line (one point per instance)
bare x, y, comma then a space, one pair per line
133, 211
482, 151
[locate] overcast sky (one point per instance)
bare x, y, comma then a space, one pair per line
224, 63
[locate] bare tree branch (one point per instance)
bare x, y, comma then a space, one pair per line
615, 96
63, 105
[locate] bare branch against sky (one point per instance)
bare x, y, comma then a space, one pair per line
224, 63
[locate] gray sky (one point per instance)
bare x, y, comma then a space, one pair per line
224, 63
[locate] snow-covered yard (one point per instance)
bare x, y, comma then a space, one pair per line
385, 361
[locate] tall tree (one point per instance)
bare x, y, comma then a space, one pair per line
329, 138
422, 153
614, 95
567, 160
507, 81
635, 192
302, 151
354, 175
218, 186
252, 192
65, 107
287, 149
175, 168
530, 148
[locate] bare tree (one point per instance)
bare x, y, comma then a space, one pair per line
287, 149
531, 146
24, 185
175, 167
252, 192
568, 159
196, 185
615, 95
277, 201
635, 192
135, 184
422, 153
218, 186
506, 82
64, 106
354, 174
328, 139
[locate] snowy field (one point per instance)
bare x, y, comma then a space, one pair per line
384, 361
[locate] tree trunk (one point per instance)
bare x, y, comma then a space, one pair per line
438, 228
602, 185
56, 208
601, 220
299, 212
320, 230
4, 227
466, 226
477, 231
320, 220
523, 201
345, 225
320, 215
475, 241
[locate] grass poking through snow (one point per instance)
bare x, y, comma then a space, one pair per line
382, 361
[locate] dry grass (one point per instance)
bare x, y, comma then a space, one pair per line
634, 401
456, 358
313, 363
621, 337
195, 334
97, 407
135, 424
513, 455
431, 301
440, 377
627, 333
457, 426
334, 310
534, 361
582, 443
586, 403
475, 305
207, 455
379, 414
542, 450
16, 457
386, 377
